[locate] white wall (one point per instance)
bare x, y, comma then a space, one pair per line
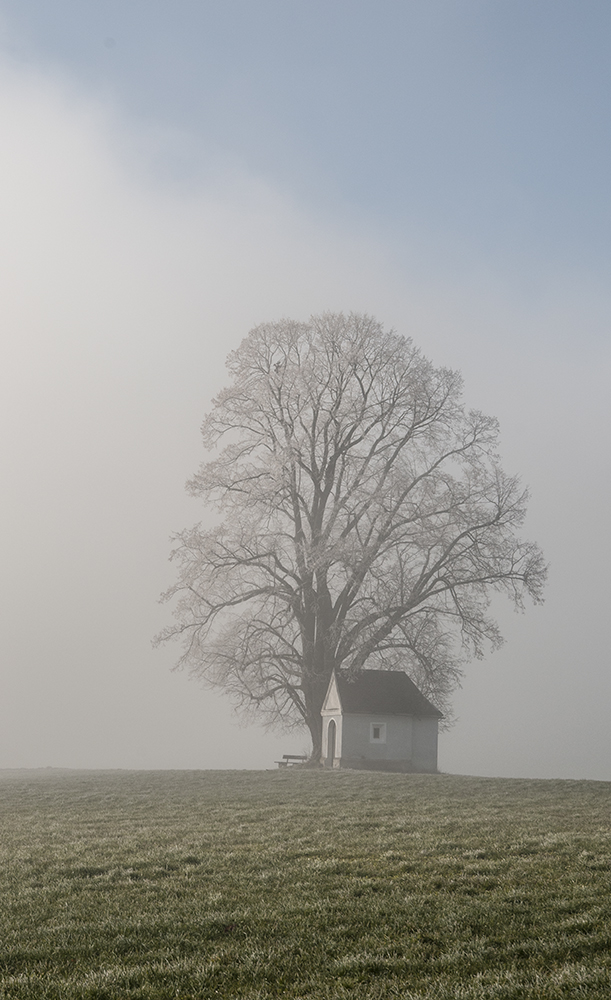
425, 744
336, 716
356, 737
407, 739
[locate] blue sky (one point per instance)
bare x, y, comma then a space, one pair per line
482, 123
172, 174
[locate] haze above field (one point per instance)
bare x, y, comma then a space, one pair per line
173, 174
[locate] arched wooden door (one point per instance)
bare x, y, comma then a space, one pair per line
331, 739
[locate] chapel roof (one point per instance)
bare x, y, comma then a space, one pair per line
383, 692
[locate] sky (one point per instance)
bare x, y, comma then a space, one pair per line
172, 174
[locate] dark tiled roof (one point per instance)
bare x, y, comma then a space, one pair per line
383, 692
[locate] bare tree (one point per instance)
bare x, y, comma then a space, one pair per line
364, 520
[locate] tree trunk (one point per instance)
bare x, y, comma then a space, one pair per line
315, 693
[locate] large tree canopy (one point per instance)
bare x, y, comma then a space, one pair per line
364, 521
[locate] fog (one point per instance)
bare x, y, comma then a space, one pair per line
124, 283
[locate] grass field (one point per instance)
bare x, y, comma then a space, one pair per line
303, 884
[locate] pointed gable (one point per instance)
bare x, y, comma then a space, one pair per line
332, 701
379, 692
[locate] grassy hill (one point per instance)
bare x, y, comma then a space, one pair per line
195, 884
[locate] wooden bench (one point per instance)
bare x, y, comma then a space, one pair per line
288, 759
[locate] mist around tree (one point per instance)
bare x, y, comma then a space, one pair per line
363, 520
